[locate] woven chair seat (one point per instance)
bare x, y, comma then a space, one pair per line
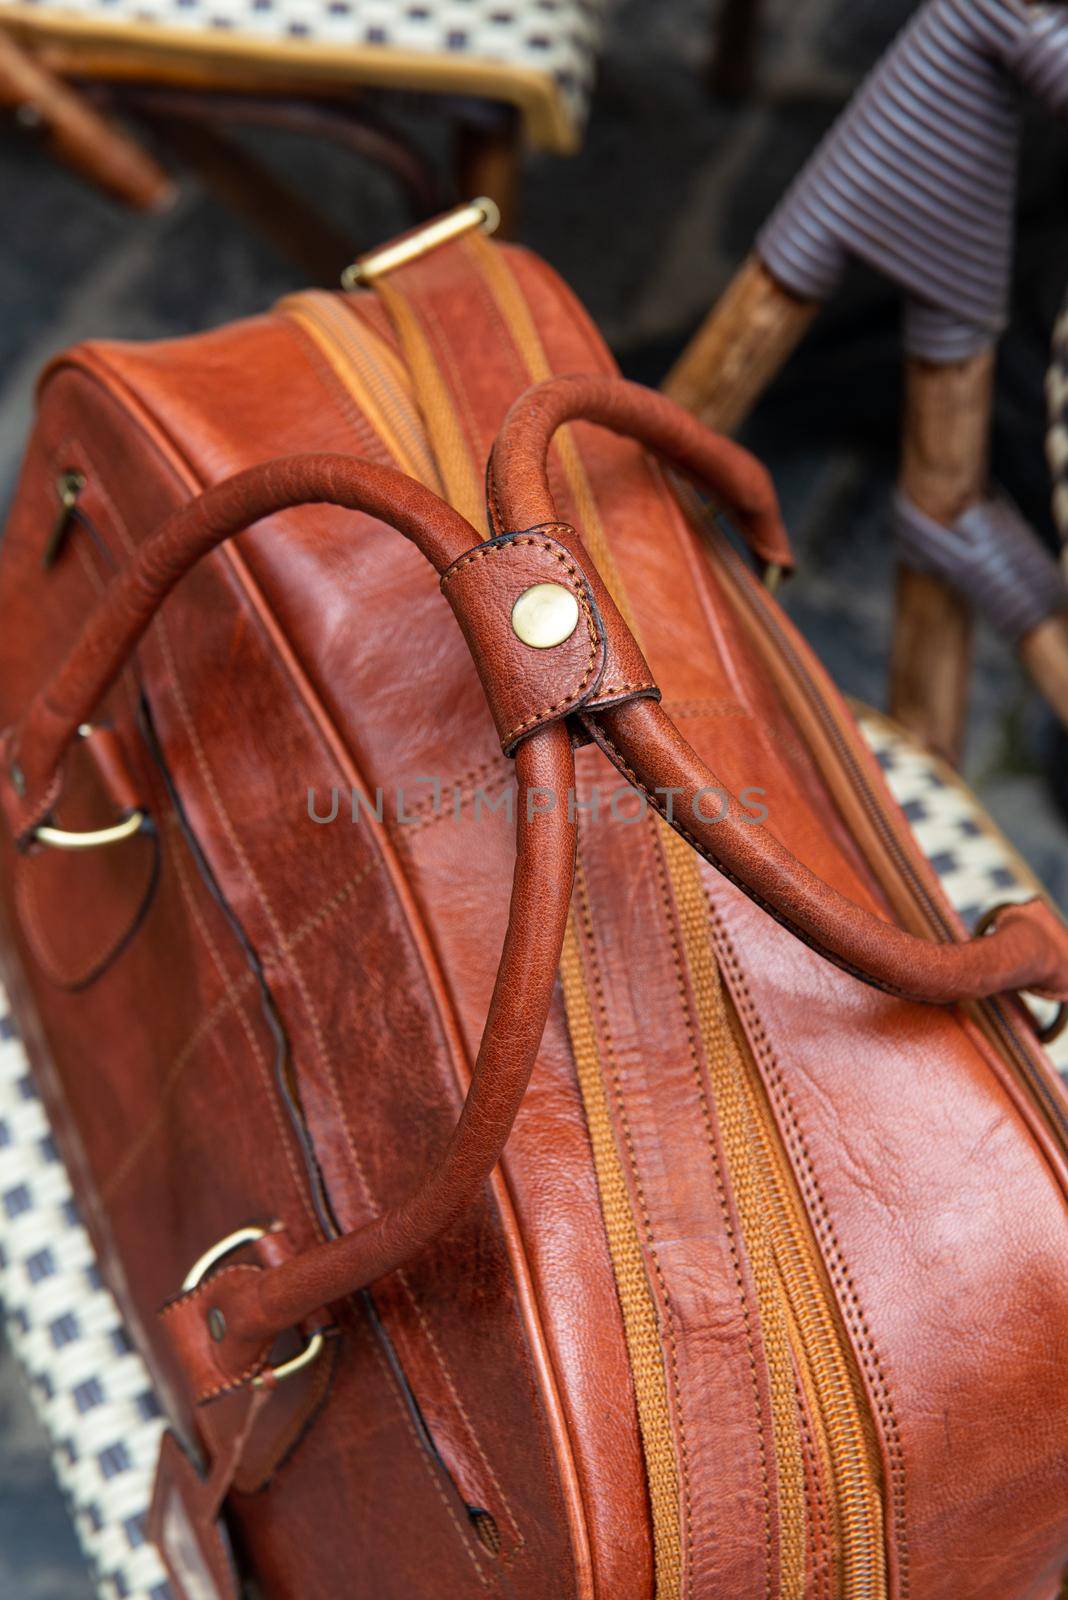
539, 55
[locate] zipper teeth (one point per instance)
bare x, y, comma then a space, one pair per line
742, 1176
825, 1567
740, 1138
819, 1347
993, 1009
798, 1330
369, 377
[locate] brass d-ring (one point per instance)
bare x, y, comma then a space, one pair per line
1045, 1033
211, 1258
90, 838
1055, 1027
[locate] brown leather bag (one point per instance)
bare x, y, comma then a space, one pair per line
767, 1295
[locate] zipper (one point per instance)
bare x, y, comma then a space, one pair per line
372, 376
808, 1354
69, 485
826, 1378
999, 1021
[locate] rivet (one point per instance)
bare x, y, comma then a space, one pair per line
216, 1325
18, 778
545, 615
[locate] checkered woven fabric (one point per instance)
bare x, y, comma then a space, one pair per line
558, 39
92, 1390
89, 1386
975, 863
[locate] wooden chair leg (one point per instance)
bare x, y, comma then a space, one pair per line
488, 160
296, 229
931, 662
736, 43
945, 447
1044, 653
77, 134
347, 122
739, 348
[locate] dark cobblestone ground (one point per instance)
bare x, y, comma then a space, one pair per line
647, 224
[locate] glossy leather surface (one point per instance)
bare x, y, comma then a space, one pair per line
491, 1372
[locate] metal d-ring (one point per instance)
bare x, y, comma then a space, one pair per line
771, 576
1045, 1033
90, 838
1055, 1027
482, 214
211, 1258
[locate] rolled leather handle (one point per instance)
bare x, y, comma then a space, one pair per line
518, 479
259, 1306
1027, 945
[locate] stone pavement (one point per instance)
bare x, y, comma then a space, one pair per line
647, 223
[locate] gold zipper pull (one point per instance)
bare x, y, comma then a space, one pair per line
69, 486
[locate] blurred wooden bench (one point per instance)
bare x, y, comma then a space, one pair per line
501, 74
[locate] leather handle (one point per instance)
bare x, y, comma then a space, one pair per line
259, 1306
1027, 947
33, 750
517, 479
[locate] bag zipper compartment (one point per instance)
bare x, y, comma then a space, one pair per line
822, 1435
896, 870
830, 1488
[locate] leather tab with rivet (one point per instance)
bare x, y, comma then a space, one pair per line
541, 638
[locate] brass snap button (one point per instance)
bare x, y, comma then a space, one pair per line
545, 615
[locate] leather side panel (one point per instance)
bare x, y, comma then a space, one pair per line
178, 1104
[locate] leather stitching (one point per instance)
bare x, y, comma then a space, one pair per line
220, 1010
574, 697
721, 1195
643, 1207
285, 948
208, 778
372, 447
604, 689
204, 1029
821, 1548
462, 789
230, 985
294, 966
423, 309
285, 945
618, 761
832, 1253
214, 1019
183, 1301
467, 1538
435, 334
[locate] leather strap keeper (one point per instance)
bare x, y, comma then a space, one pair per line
213, 1366
526, 686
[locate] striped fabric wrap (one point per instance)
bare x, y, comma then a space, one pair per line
918, 176
992, 555
1057, 426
